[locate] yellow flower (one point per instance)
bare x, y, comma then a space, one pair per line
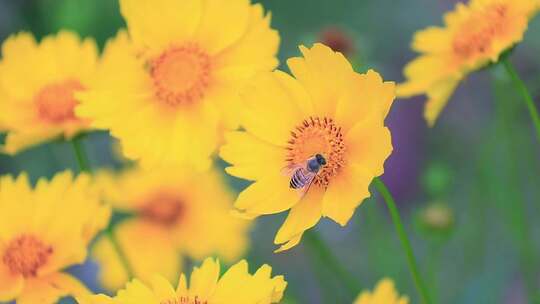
329, 110
235, 286
37, 86
44, 231
176, 212
168, 89
473, 35
384, 293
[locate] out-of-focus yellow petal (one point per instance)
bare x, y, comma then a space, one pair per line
112, 274
148, 249
50, 289
175, 80
158, 23
384, 293
12, 285
473, 35
438, 96
259, 45
38, 84
223, 25
40, 235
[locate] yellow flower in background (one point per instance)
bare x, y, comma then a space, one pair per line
384, 293
206, 286
176, 212
473, 35
38, 82
328, 110
42, 232
169, 88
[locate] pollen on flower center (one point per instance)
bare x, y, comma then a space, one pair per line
163, 208
181, 75
317, 135
56, 103
25, 255
476, 35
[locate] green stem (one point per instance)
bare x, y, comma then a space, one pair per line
394, 213
520, 85
512, 181
82, 161
317, 245
80, 154
121, 254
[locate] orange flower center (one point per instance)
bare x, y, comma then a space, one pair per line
318, 136
163, 208
476, 35
25, 255
181, 75
56, 103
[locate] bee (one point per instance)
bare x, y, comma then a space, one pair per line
303, 175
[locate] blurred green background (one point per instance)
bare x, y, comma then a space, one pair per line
468, 189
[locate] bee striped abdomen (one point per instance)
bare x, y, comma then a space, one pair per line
300, 178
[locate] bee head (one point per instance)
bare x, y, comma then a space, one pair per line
320, 159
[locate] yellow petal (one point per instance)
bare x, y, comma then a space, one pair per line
160, 23
290, 244
369, 144
203, 281
235, 278
251, 158
270, 194
297, 92
222, 24
47, 290
74, 57
302, 216
385, 292
365, 96
438, 96
422, 72
137, 292
182, 288
255, 51
265, 100
149, 249
11, 286
14, 190
257, 288
112, 274
278, 282
324, 73
432, 40
346, 192
162, 288
95, 299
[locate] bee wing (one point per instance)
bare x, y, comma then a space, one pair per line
290, 169
302, 191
